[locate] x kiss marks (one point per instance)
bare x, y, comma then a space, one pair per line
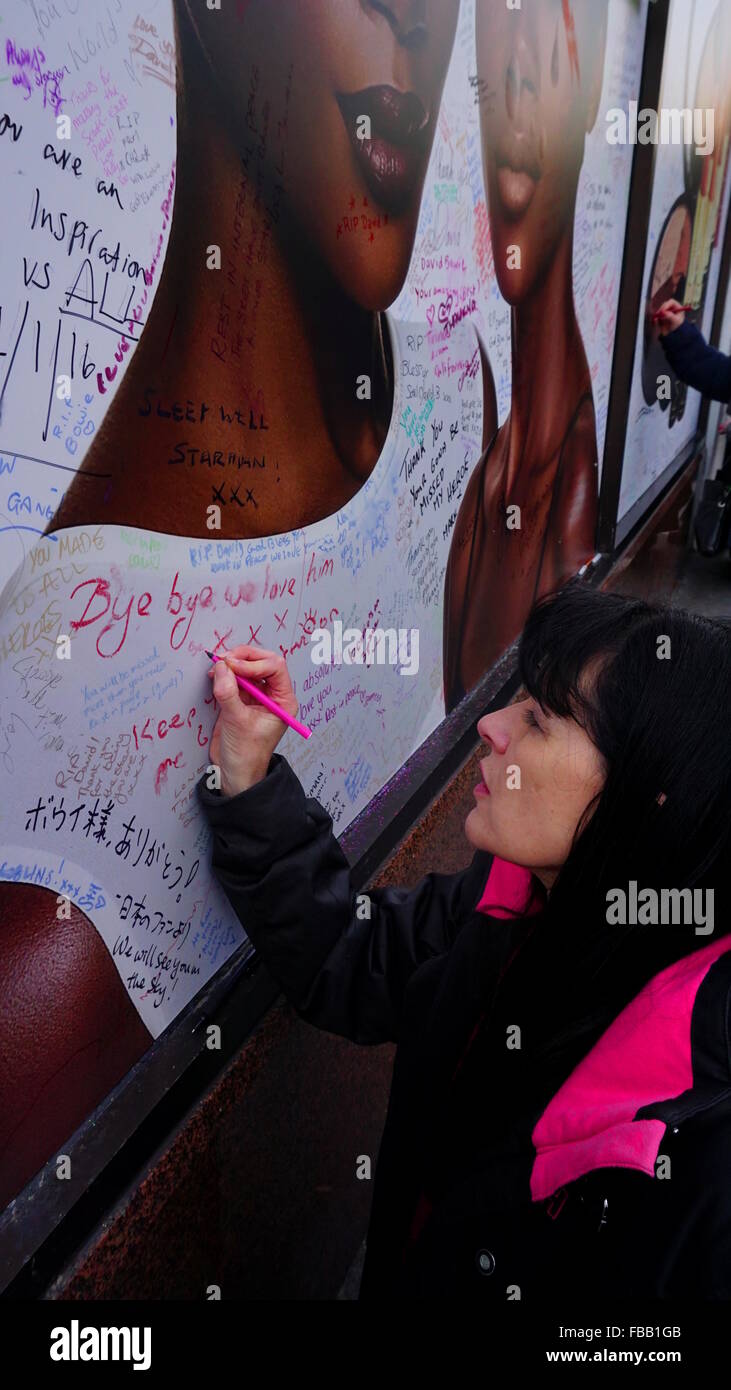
233, 495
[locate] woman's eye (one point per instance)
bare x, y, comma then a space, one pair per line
531, 719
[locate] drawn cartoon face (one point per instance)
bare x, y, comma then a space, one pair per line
539, 77
297, 77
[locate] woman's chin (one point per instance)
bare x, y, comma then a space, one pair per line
373, 274
476, 831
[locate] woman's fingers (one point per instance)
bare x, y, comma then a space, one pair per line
246, 652
254, 662
225, 688
268, 666
257, 665
670, 306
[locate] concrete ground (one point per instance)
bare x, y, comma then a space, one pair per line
704, 585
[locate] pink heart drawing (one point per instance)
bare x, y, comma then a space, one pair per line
430, 315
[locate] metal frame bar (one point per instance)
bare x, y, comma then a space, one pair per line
630, 285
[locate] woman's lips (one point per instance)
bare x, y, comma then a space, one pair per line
481, 790
516, 188
518, 168
392, 160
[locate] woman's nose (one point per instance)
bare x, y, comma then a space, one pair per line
523, 70
494, 730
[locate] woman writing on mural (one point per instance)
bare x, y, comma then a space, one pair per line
252, 366
562, 1041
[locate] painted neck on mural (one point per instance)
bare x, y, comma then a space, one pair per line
215, 346
549, 365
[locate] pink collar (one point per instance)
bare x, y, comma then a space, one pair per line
510, 887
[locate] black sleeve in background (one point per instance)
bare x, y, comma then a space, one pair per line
702, 367
288, 881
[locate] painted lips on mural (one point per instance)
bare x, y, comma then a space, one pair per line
392, 156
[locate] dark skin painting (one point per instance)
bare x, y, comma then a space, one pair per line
539, 82
269, 101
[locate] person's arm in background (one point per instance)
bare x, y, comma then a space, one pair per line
342, 958
700, 366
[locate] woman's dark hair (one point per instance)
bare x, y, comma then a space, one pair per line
650, 685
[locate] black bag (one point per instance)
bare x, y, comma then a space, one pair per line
713, 519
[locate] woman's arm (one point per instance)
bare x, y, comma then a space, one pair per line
702, 367
343, 959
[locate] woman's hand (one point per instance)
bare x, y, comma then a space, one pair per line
671, 314
246, 733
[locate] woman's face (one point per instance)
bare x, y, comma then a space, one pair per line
540, 772
356, 200
539, 74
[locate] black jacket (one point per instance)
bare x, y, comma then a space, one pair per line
701, 366
546, 1170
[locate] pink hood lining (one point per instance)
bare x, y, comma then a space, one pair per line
644, 1057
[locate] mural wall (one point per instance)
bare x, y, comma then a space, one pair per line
690, 196
268, 366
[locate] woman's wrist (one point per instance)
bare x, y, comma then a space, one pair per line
240, 779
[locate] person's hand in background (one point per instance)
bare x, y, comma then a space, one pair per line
670, 315
246, 733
